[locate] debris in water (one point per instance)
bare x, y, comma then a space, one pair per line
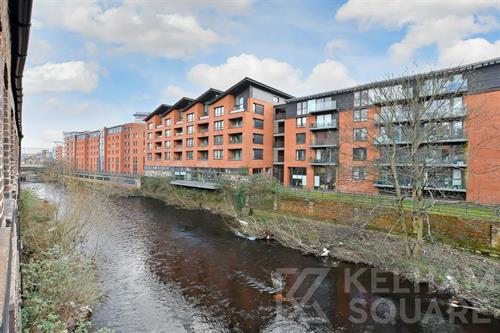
239, 234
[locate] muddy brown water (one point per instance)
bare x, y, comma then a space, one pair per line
165, 269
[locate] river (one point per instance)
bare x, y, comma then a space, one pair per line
165, 269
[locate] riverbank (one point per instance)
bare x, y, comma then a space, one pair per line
60, 283
473, 279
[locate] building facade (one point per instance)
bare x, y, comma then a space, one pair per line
333, 140
217, 133
115, 150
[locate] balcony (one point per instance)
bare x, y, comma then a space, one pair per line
453, 137
324, 143
179, 133
159, 126
235, 141
279, 144
317, 126
329, 160
441, 184
455, 161
238, 108
280, 116
235, 125
204, 144
178, 147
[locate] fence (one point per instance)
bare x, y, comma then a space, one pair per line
449, 208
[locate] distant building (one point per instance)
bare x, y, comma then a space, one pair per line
114, 150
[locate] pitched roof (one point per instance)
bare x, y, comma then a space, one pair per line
245, 82
205, 97
159, 110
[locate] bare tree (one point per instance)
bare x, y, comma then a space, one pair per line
421, 146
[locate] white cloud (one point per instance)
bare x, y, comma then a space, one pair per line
324, 76
443, 22
174, 93
152, 28
62, 77
39, 51
335, 45
468, 51
48, 136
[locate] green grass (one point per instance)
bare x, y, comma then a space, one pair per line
461, 209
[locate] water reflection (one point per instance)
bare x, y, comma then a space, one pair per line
173, 270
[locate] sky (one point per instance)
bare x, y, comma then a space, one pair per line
94, 63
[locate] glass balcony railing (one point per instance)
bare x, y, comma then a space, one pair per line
324, 160
280, 116
323, 125
278, 144
450, 184
324, 143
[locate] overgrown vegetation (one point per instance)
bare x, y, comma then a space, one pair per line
59, 278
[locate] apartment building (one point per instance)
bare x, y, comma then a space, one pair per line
220, 132
114, 150
334, 140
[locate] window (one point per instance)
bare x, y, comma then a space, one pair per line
150, 136
258, 139
150, 146
218, 139
360, 115
257, 154
300, 138
219, 111
167, 155
150, 126
239, 103
190, 117
218, 154
300, 154
190, 129
150, 157
168, 121
219, 125
189, 155
357, 99
276, 99
258, 109
257, 123
190, 142
324, 120
301, 122
236, 138
301, 108
359, 154
358, 173
168, 133
167, 144
236, 154
360, 134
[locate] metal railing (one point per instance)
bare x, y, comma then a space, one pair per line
323, 125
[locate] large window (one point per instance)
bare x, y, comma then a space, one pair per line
358, 173
219, 111
258, 123
359, 154
301, 122
190, 129
189, 155
218, 154
300, 138
258, 139
167, 155
301, 108
236, 154
218, 139
168, 133
258, 108
219, 125
360, 134
167, 144
189, 142
257, 154
300, 154
168, 121
190, 117
360, 115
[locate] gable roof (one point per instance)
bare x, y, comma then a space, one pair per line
205, 97
158, 111
246, 82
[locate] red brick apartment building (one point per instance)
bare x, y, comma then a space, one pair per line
323, 141
113, 150
217, 133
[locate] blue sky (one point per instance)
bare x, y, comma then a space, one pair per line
94, 63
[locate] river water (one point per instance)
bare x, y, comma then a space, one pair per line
165, 269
